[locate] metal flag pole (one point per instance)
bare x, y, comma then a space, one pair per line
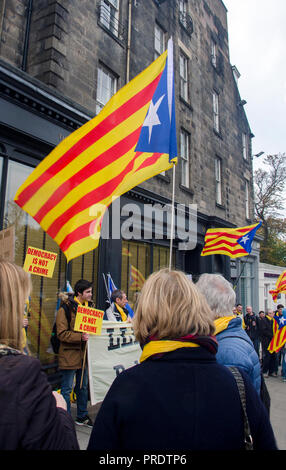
172, 218
83, 364
241, 272
106, 287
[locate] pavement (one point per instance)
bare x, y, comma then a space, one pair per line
277, 391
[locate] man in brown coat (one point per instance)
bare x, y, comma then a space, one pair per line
72, 348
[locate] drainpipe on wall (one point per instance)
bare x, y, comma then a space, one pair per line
27, 35
128, 40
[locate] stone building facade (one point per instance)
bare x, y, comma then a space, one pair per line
60, 62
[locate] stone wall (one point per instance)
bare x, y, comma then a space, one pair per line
67, 43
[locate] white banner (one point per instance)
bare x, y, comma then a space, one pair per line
115, 350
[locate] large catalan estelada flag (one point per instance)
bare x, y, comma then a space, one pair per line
132, 139
280, 286
233, 242
279, 333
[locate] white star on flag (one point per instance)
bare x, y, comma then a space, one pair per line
244, 239
152, 118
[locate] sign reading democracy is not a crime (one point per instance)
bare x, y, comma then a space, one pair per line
40, 262
115, 350
88, 320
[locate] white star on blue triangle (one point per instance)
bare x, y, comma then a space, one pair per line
246, 240
158, 133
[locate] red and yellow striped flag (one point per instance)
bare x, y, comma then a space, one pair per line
137, 279
232, 242
132, 139
280, 286
279, 334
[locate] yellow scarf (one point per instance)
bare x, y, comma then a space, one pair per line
269, 318
85, 303
121, 311
155, 347
222, 323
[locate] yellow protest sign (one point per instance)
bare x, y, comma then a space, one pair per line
40, 262
88, 320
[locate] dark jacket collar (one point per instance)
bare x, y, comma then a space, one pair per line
200, 355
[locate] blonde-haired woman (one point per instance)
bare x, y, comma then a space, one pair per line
31, 415
178, 397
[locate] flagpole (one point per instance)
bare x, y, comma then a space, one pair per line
172, 218
236, 282
106, 288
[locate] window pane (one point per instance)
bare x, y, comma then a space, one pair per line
106, 87
183, 11
184, 147
214, 53
184, 77
109, 15
246, 200
135, 268
159, 41
244, 146
216, 111
247, 284
161, 257
218, 180
185, 174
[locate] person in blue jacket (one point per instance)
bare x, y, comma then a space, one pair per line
235, 348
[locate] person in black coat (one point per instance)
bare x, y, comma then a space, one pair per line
32, 417
266, 335
251, 327
178, 398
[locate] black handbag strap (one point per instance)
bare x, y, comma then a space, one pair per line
248, 442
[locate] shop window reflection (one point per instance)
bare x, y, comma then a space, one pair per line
44, 296
136, 265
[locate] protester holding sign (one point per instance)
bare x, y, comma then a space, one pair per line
179, 397
73, 348
32, 417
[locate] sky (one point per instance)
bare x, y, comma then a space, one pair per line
257, 43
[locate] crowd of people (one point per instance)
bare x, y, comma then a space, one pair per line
260, 330
197, 386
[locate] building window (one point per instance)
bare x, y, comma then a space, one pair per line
245, 146
266, 290
138, 260
135, 268
247, 214
218, 197
183, 12
247, 283
214, 53
106, 87
184, 77
215, 111
185, 149
159, 41
109, 14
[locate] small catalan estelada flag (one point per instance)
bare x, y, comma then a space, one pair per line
280, 286
279, 333
232, 242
